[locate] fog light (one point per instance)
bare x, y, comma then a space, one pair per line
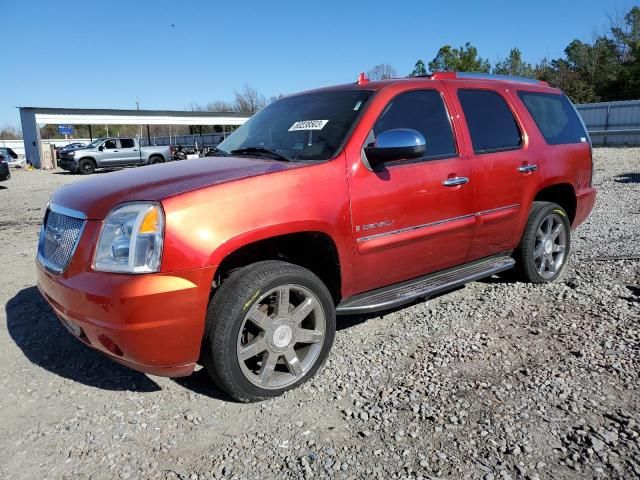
110, 345
72, 327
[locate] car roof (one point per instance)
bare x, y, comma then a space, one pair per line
456, 78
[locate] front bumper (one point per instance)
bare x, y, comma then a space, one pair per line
152, 323
67, 164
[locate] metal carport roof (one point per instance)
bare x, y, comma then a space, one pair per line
31, 117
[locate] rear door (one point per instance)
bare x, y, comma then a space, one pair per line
129, 151
409, 219
506, 174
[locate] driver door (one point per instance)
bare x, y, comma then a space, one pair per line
412, 217
110, 154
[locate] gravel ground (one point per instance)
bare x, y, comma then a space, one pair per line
496, 380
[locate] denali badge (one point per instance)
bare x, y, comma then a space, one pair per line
371, 226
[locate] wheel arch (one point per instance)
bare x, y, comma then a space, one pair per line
314, 250
563, 194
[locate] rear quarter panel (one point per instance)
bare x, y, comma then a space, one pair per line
559, 164
146, 152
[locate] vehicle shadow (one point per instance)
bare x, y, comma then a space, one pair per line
45, 342
627, 178
97, 172
200, 382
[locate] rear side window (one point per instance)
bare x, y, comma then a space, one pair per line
127, 143
490, 121
424, 111
555, 117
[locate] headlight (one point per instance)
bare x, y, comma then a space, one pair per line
71, 154
131, 239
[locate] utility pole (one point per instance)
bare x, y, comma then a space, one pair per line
138, 108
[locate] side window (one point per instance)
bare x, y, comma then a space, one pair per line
127, 143
490, 121
555, 117
109, 144
424, 111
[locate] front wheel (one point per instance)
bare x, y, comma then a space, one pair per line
546, 242
270, 327
86, 166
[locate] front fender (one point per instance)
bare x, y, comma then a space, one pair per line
204, 226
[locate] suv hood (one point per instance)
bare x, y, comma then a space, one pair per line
96, 196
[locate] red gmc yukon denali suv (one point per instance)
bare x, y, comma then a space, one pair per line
343, 200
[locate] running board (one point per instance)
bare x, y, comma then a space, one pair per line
423, 287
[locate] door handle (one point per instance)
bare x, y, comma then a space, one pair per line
455, 181
527, 168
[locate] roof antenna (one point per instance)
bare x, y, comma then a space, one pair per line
362, 78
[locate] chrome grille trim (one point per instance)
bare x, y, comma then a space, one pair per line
69, 212
59, 236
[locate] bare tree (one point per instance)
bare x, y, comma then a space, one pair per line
219, 106
9, 132
382, 71
249, 100
273, 98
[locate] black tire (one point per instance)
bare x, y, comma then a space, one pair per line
155, 160
227, 313
526, 268
86, 166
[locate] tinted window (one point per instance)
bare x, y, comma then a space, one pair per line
490, 121
109, 144
310, 126
423, 111
127, 143
557, 120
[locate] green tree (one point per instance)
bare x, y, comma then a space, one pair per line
626, 36
514, 65
559, 73
463, 59
419, 70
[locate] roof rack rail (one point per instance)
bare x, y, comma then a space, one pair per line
486, 76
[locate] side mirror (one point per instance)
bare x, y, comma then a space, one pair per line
396, 144
101, 148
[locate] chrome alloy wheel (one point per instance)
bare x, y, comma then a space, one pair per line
551, 246
281, 336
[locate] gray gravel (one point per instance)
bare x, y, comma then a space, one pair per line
496, 380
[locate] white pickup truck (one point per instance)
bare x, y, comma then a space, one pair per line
112, 152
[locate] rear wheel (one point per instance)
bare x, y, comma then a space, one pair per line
86, 166
155, 159
270, 327
546, 242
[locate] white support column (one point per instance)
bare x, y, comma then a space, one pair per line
31, 137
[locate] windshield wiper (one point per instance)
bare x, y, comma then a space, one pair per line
262, 151
216, 152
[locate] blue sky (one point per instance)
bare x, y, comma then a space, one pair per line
105, 54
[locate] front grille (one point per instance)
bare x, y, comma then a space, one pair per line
58, 239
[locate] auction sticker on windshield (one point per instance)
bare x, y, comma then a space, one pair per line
308, 125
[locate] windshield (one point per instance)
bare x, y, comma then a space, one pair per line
303, 127
95, 143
